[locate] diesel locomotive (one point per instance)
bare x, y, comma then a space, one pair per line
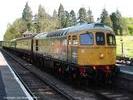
85, 51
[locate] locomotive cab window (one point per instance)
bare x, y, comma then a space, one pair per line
111, 39
74, 40
86, 39
100, 38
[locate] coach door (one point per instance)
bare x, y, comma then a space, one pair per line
69, 43
72, 48
32, 45
36, 45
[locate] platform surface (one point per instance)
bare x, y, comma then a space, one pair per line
11, 87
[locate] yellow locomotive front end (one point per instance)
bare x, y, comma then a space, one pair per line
97, 51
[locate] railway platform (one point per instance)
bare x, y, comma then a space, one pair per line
125, 69
11, 87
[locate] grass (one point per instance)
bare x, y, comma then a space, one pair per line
127, 45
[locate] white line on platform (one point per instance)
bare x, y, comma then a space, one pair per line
123, 71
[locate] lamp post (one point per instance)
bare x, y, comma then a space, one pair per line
122, 46
122, 51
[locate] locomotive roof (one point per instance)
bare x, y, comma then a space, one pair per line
89, 27
77, 28
73, 29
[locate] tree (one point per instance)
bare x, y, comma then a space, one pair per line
130, 28
105, 18
61, 11
27, 13
129, 24
27, 16
67, 19
114, 19
90, 18
36, 24
40, 19
20, 26
82, 15
43, 22
16, 29
118, 22
73, 20
61, 16
55, 15
41, 12
55, 20
125, 29
10, 33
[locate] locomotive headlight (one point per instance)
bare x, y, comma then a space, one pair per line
101, 55
82, 51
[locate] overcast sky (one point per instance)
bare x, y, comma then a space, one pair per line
12, 9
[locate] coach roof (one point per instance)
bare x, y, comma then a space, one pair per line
41, 35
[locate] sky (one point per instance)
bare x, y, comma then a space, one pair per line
12, 9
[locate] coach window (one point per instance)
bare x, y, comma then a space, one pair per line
86, 39
69, 40
100, 38
74, 40
111, 39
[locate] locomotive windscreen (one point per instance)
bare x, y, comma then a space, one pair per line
111, 39
100, 38
86, 38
